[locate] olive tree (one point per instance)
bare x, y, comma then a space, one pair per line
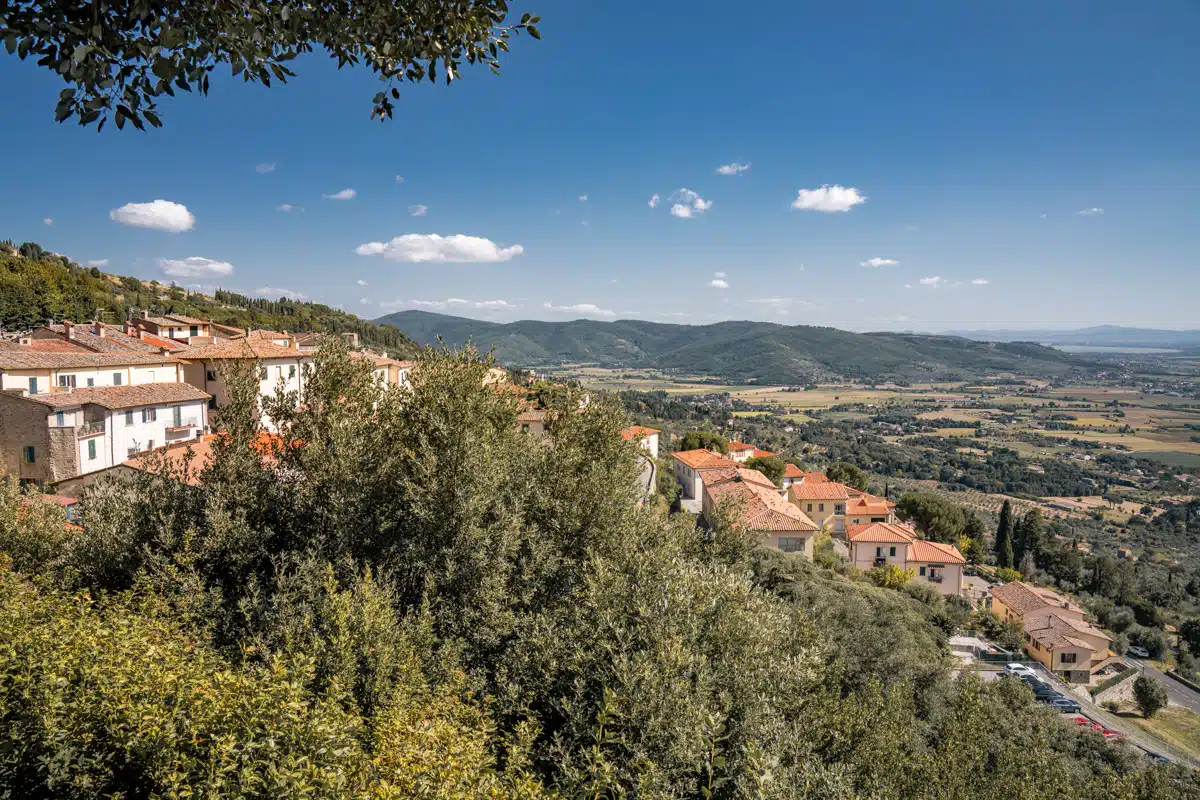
119, 57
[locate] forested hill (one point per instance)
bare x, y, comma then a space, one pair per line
740, 351
40, 286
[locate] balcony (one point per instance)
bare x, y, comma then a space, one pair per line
935, 578
880, 562
89, 429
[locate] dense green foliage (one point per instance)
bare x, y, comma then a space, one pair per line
937, 518
739, 351
848, 474
1149, 695
121, 58
52, 288
770, 466
704, 440
410, 555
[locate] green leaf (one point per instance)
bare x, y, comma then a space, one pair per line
164, 68
534, 32
81, 52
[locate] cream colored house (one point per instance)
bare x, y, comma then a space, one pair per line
176, 327
646, 437
742, 452
23, 368
881, 543
690, 465
1056, 633
534, 422
780, 524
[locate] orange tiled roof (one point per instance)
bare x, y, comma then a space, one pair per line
880, 532
704, 459
23, 359
1024, 597
713, 477
115, 397
815, 477
818, 491
1053, 631
868, 504
765, 510
762, 454
243, 348
739, 446
792, 471
638, 431
926, 551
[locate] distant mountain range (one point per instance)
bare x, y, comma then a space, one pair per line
740, 352
1098, 336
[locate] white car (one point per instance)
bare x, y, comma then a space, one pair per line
1017, 670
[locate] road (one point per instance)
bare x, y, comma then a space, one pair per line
1177, 693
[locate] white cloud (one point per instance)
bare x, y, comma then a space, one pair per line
828, 199
161, 215
261, 168
344, 194
587, 309
399, 179
271, 292
98, 262
654, 198
362, 301
361, 282
194, 267
418, 210
980, 282
689, 204
732, 169
908, 286
422, 247
1043, 216
285, 207
494, 304
1090, 212
880, 262
718, 274
451, 302
47, 221
718, 283
935, 281
583, 198
776, 302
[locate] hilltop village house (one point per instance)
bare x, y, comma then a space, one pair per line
877, 544
764, 511
1056, 633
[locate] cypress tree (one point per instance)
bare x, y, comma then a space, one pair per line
1004, 536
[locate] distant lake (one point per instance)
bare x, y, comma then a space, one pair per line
1088, 348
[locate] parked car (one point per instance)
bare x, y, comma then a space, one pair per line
1018, 670
1065, 705
1138, 652
1044, 691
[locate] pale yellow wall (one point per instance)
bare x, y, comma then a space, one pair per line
951, 576
771, 539
820, 510
862, 554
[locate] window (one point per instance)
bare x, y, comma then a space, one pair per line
810, 506
524, 427
263, 374
195, 330
789, 544
66, 380
210, 374
149, 414
839, 508
150, 445
879, 552
820, 507
30, 454
1067, 658
128, 418
891, 551
153, 378
292, 371
60, 419
91, 449
117, 378
91, 382
33, 386
921, 572
131, 452
177, 416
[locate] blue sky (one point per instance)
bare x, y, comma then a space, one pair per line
967, 138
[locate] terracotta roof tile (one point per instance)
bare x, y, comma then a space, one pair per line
765, 510
818, 491
23, 359
815, 477
704, 459
869, 505
638, 431
792, 471
1053, 630
241, 349
1024, 597
114, 397
739, 446
762, 454
880, 532
713, 477
925, 552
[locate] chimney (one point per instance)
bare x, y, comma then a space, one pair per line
69, 328
98, 328
128, 329
144, 314
25, 340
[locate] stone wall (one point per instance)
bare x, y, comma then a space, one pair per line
24, 423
